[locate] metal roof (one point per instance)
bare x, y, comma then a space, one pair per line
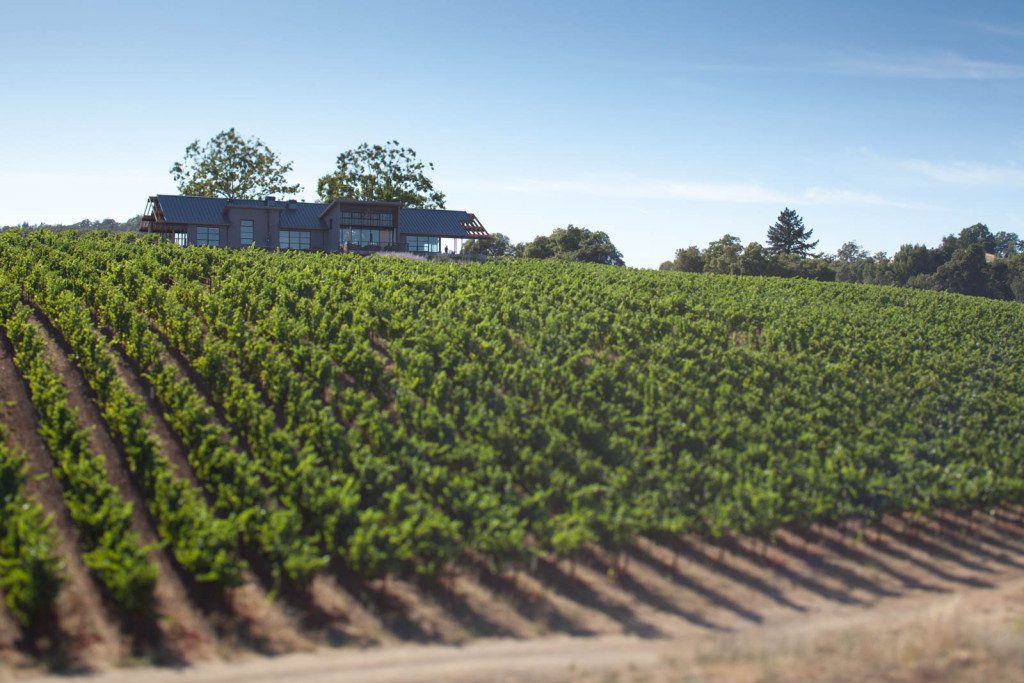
185, 209
295, 214
304, 215
435, 222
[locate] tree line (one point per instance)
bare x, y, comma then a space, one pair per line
976, 261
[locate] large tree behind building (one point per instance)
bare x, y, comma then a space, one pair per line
789, 235
387, 172
229, 165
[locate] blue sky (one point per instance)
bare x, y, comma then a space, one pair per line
664, 124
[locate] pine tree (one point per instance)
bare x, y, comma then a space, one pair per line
789, 236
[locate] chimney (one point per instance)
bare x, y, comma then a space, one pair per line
269, 199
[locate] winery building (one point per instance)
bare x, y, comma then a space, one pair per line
342, 225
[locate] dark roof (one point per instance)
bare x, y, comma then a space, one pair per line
435, 222
295, 214
304, 215
185, 209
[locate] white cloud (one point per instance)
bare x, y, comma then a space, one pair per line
943, 66
967, 173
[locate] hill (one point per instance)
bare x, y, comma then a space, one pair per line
215, 427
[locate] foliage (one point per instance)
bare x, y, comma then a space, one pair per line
203, 545
789, 235
975, 262
497, 245
108, 224
104, 519
723, 256
31, 574
387, 172
573, 243
229, 165
689, 260
396, 415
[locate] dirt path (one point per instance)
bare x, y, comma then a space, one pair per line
938, 601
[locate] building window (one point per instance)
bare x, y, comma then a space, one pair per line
428, 244
293, 239
374, 219
207, 237
364, 237
181, 239
247, 236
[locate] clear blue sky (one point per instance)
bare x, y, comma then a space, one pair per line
664, 124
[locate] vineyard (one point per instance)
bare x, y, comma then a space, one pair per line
271, 427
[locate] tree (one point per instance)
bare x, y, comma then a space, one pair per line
851, 252
852, 263
789, 236
911, 260
573, 243
688, 260
793, 265
965, 272
1007, 244
387, 172
755, 261
977, 234
540, 247
229, 165
1015, 276
723, 256
497, 245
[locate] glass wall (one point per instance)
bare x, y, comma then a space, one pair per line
364, 237
427, 244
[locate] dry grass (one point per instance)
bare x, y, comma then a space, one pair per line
946, 644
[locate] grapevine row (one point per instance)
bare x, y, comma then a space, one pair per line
111, 548
31, 574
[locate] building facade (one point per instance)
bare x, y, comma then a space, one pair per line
344, 225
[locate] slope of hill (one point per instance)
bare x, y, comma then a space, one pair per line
348, 434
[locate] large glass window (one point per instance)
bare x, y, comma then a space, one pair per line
428, 244
247, 233
293, 239
207, 236
364, 237
181, 239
